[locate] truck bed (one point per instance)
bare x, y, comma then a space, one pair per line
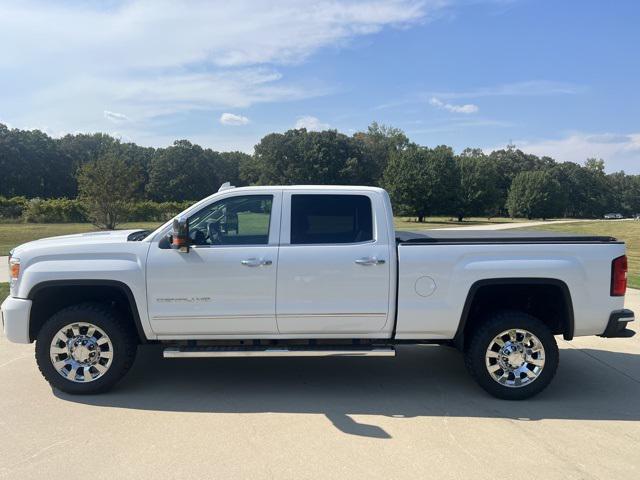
446, 236
438, 268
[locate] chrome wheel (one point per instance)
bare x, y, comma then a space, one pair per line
515, 358
81, 352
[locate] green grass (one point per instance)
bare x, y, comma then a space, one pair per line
14, 234
626, 230
4, 291
405, 223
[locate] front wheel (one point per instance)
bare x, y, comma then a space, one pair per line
512, 355
85, 349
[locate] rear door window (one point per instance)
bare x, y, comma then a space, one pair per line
317, 219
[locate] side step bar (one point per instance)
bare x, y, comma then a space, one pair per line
291, 351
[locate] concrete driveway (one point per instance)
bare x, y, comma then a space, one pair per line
416, 416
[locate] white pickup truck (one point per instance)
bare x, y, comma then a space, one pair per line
310, 271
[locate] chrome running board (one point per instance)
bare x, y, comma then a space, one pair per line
237, 352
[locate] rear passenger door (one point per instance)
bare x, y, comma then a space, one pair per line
333, 266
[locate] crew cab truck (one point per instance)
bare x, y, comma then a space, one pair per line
310, 271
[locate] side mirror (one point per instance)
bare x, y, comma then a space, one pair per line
180, 235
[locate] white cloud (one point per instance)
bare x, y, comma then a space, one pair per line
233, 119
115, 116
157, 58
619, 151
311, 123
164, 33
528, 88
466, 108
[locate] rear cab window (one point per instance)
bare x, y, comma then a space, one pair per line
335, 219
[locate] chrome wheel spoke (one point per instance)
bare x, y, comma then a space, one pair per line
86, 358
59, 365
518, 360
494, 368
59, 350
101, 368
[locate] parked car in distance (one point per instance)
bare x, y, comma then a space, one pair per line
311, 271
613, 216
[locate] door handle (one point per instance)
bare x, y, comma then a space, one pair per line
255, 262
370, 261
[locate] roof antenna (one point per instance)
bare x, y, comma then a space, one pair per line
226, 186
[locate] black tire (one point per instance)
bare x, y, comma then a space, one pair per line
122, 336
483, 336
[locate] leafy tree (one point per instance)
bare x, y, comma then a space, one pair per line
303, 157
423, 181
624, 191
479, 193
535, 194
84, 148
107, 186
594, 164
32, 165
510, 162
228, 167
183, 171
379, 142
585, 192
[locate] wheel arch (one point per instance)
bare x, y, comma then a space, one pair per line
493, 285
51, 296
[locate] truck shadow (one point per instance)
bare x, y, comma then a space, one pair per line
421, 381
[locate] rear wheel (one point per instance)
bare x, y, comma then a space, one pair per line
512, 355
85, 349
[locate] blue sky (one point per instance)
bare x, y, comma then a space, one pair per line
559, 78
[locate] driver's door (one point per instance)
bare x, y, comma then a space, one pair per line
226, 284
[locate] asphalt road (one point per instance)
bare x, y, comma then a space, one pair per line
416, 416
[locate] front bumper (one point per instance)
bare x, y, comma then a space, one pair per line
617, 325
14, 316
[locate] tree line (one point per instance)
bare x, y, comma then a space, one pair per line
422, 181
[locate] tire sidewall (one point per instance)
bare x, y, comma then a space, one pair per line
496, 324
105, 320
